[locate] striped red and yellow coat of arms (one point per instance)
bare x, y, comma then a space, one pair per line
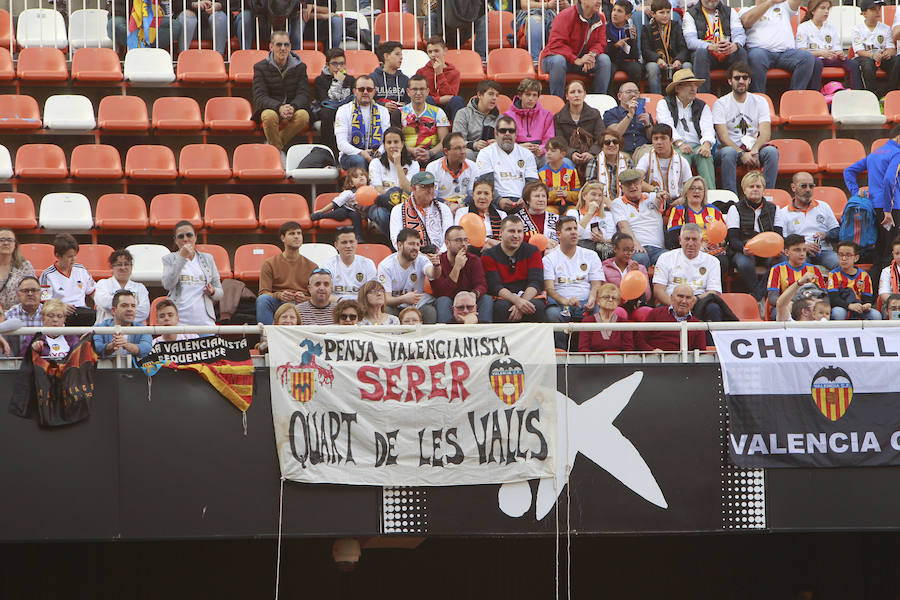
507, 379
832, 392
303, 384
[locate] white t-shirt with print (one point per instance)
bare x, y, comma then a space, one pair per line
58, 346
818, 219
873, 40
573, 276
607, 224
346, 280
487, 220
387, 177
810, 37
191, 308
741, 119
398, 281
69, 289
702, 274
509, 170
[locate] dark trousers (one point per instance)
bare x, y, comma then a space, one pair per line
342, 212
632, 68
501, 311
868, 69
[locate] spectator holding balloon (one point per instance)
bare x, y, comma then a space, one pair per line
629, 275
481, 209
461, 271
347, 205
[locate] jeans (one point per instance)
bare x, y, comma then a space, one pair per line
655, 74
188, 21
800, 63
841, 314
703, 62
381, 216
266, 305
162, 32
334, 26
557, 67
727, 157
453, 105
554, 315
746, 267
648, 258
826, 258
246, 26
348, 161
501, 311
485, 304
539, 23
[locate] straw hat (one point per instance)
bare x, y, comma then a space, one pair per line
682, 76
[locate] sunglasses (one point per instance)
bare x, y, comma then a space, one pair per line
365, 89
320, 271
740, 77
182, 236
506, 130
349, 316
610, 142
464, 307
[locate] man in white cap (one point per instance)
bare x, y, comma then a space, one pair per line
693, 134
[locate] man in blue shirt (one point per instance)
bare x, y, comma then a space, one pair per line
877, 165
630, 120
124, 307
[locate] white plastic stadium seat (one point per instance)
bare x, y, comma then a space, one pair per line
720, 196
66, 211
601, 102
298, 152
853, 108
318, 253
41, 27
148, 267
87, 29
149, 65
413, 60
844, 19
69, 112
6, 166
361, 22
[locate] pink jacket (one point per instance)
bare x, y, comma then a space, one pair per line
532, 125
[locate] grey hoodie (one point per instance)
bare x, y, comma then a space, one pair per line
475, 125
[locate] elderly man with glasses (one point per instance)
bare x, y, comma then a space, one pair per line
28, 310
122, 263
814, 220
464, 305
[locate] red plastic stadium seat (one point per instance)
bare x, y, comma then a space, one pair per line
401, 27
710, 99
42, 64
41, 161
652, 101
229, 113
204, 162
229, 211
19, 112
509, 66
315, 62
95, 258
7, 37
499, 26
7, 69
468, 62
360, 62
552, 103
257, 162
201, 66
149, 162
151, 320
795, 156
892, 106
878, 144
220, 255
39, 255
377, 252
780, 198
833, 197
177, 113
778, 74
167, 209
123, 113
249, 258
277, 209
773, 114
835, 155
96, 64
17, 211
240, 67
503, 103
744, 306
96, 161
804, 108
322, 201
121, 212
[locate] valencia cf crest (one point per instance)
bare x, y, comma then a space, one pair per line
828, 39
583, 266
880, 39
521, 163
507, 379
413, 277
832, 392
359, 277
703, 270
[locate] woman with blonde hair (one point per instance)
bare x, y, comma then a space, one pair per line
371, 301
53, 314
13, 267
596, 225
606, 340
694, 209
287, 314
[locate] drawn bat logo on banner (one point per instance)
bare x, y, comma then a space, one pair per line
300, 380
507, 379
588, 429
832, 391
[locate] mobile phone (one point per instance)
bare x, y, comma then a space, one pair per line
640, 107
428, 249
595, 227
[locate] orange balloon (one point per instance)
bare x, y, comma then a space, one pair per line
474, 227
633, 285
766, 244
716, 232
540, 240
365, 196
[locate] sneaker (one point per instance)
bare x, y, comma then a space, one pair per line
283, 159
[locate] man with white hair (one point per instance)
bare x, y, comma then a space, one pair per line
464, 308
691, 267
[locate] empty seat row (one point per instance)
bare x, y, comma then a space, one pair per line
126, 113
198, 162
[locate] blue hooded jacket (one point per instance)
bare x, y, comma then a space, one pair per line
877, 164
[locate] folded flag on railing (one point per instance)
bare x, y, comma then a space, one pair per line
225, 364
56, 392
143, 24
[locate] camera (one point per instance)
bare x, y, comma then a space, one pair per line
428, 249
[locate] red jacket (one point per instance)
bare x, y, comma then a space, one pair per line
445, 84
572, 36
471, 278
667, 340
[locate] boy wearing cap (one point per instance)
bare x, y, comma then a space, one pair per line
874, 46
422, 213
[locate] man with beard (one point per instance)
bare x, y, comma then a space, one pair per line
714, 34
507, 165
813, 220
403, 275
460, 271
515, 275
